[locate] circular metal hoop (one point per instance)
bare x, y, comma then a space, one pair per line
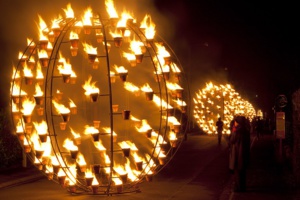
109, 139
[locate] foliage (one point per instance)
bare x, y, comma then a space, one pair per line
10, 149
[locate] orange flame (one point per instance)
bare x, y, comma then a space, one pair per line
110, 8
69, 11
90, 87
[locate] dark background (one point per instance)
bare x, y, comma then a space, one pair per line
252, 45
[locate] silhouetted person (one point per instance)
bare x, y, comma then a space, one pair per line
259, 127
219, 125
239, 142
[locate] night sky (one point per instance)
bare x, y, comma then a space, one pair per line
252, 45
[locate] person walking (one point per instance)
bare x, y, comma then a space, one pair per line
239, 148
219, 125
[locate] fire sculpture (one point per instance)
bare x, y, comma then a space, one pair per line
81, 126
216, 101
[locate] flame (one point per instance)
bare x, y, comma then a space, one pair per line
99, 146
161, 103
108, 130
60, 108
174, 68
55, 23
41, 128
149, 27
80, 160
39, 73
120, 69
47, 148
27, 71
57, 160
131, 87
88, 14
117, 181
134, 118
119, 169
71, 175
34, 138
144, 127
124, 145
42, 53
89, 174
72, 104
161, 50
30, 42
16, 90
107, 160
110, 8
95, 182
172, 135
61, 173
42, 29
146, 88
173, 86
116, 34
90, 87
38, 91
89, 49
27, 106
68, 144
66, 68
129, 56
135, 46
20, 126
132, 174
137, 158
22, 56
90, 130
15, 74
150, 161
69, 11
76, 135
73, 36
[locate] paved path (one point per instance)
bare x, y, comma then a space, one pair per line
198, 171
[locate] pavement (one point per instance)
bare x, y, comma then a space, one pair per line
267, 178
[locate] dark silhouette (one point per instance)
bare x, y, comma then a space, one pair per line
239, 146
219, 125
259, 127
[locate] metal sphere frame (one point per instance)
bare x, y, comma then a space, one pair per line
90, 109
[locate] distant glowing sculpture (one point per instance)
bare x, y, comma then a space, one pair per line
216, 101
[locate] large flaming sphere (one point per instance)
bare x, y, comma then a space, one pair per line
216, 101
99, 102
